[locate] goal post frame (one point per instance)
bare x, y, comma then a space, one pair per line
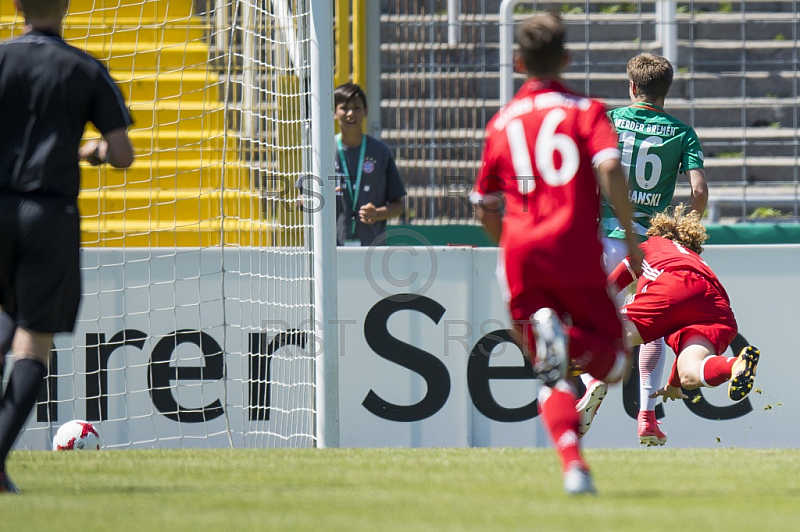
209, 308
326, 345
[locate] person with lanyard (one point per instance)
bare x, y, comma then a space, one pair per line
655, 148
370, 190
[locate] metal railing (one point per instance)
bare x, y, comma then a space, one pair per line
444, 74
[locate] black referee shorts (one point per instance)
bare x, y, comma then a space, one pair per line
40, 278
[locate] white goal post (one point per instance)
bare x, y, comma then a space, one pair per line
205, 285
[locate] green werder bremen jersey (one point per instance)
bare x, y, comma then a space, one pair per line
655, 147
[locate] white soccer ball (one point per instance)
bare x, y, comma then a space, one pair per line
76, 435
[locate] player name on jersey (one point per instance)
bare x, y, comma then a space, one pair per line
547, 100
644, 198
656, 129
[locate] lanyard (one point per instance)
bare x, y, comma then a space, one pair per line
348, 183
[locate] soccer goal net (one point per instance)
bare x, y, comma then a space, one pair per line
195, 325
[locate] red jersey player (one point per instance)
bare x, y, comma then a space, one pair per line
537, 194
679, 298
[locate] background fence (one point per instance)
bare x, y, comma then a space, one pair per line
736, 83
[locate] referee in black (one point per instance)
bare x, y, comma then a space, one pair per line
48, 92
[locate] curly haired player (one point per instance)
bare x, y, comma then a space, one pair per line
679, 298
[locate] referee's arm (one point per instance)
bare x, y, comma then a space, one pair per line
119, 152
115, 149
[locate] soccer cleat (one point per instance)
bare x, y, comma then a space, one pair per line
649, 433
552, 360
6, 486
587, 405
743, 373
578, 481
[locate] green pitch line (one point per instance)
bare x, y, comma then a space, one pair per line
400, 489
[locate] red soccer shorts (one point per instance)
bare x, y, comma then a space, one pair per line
593, 324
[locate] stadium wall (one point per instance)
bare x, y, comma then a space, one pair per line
416, 328
414, 370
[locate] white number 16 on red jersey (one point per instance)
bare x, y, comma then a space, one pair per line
548, 142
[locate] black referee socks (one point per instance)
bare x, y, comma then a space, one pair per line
27, 376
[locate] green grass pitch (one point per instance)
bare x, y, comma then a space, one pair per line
724, 489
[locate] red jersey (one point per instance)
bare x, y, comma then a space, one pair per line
664, 255
539, 153
677, 296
